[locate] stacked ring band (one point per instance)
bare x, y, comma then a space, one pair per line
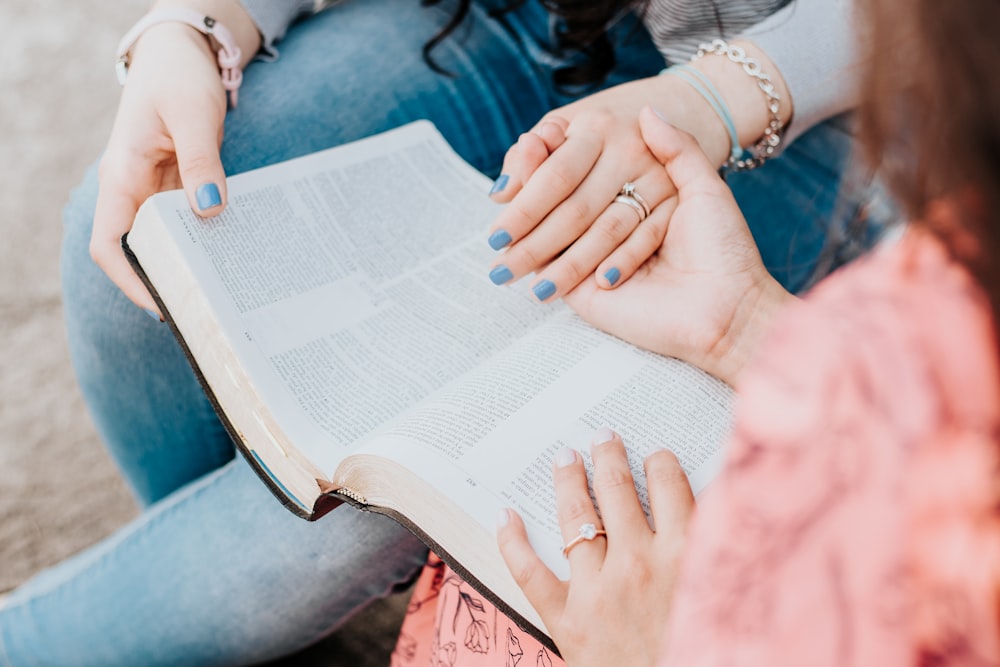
628, 196
628, 190
588, 532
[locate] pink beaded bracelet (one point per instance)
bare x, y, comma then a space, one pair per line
229, 52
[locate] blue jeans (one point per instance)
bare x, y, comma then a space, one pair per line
214, 571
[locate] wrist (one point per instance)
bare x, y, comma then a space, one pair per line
168, 40
172, 54
229, 13
742, 94
751, 322
687, 110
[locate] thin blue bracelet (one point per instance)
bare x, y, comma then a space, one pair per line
703, 85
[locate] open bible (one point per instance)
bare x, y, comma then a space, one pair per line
340, 317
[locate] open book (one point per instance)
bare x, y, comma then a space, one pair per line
340, 316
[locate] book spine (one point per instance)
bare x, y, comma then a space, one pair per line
352, 496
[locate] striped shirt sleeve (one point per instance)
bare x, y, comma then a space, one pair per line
273, 17
814, 45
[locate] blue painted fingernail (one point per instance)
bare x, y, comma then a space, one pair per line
612, 275
500, 274
499, 239
544, 290
208, 196
153, 314
499, 184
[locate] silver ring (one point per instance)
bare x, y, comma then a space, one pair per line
628, 190
633, 203
588, 532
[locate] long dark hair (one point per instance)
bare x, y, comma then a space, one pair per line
583, 32
931, 121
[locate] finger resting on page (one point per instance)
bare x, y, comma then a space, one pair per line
670, 498
583, 544
614, 487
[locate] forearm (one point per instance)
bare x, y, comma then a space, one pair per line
685, 108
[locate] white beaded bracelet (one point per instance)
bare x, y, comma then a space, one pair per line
766, 146
228, 55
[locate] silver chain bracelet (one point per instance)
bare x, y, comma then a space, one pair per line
764, 149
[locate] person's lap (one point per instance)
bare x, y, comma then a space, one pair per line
211, 571
215, 571
321, 92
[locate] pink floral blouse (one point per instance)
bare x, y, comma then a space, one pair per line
857, 521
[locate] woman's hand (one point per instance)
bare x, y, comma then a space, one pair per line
614, 608
561, 180
166, 134
705, 296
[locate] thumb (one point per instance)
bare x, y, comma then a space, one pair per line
678, 152
200, 167
545, 592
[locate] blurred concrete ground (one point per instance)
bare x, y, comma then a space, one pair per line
59, 491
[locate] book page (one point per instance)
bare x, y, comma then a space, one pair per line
341, 304
353, 283
488, 440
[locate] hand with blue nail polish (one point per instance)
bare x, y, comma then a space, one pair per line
166, 135
705, 297
562, 179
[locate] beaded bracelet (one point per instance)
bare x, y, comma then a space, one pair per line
704, 87
766, 146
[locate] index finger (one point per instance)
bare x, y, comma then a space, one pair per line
113, 216
555, 180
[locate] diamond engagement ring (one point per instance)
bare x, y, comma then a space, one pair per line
628, 196
588, 532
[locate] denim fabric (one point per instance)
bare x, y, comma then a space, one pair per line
804, 224
215, 571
